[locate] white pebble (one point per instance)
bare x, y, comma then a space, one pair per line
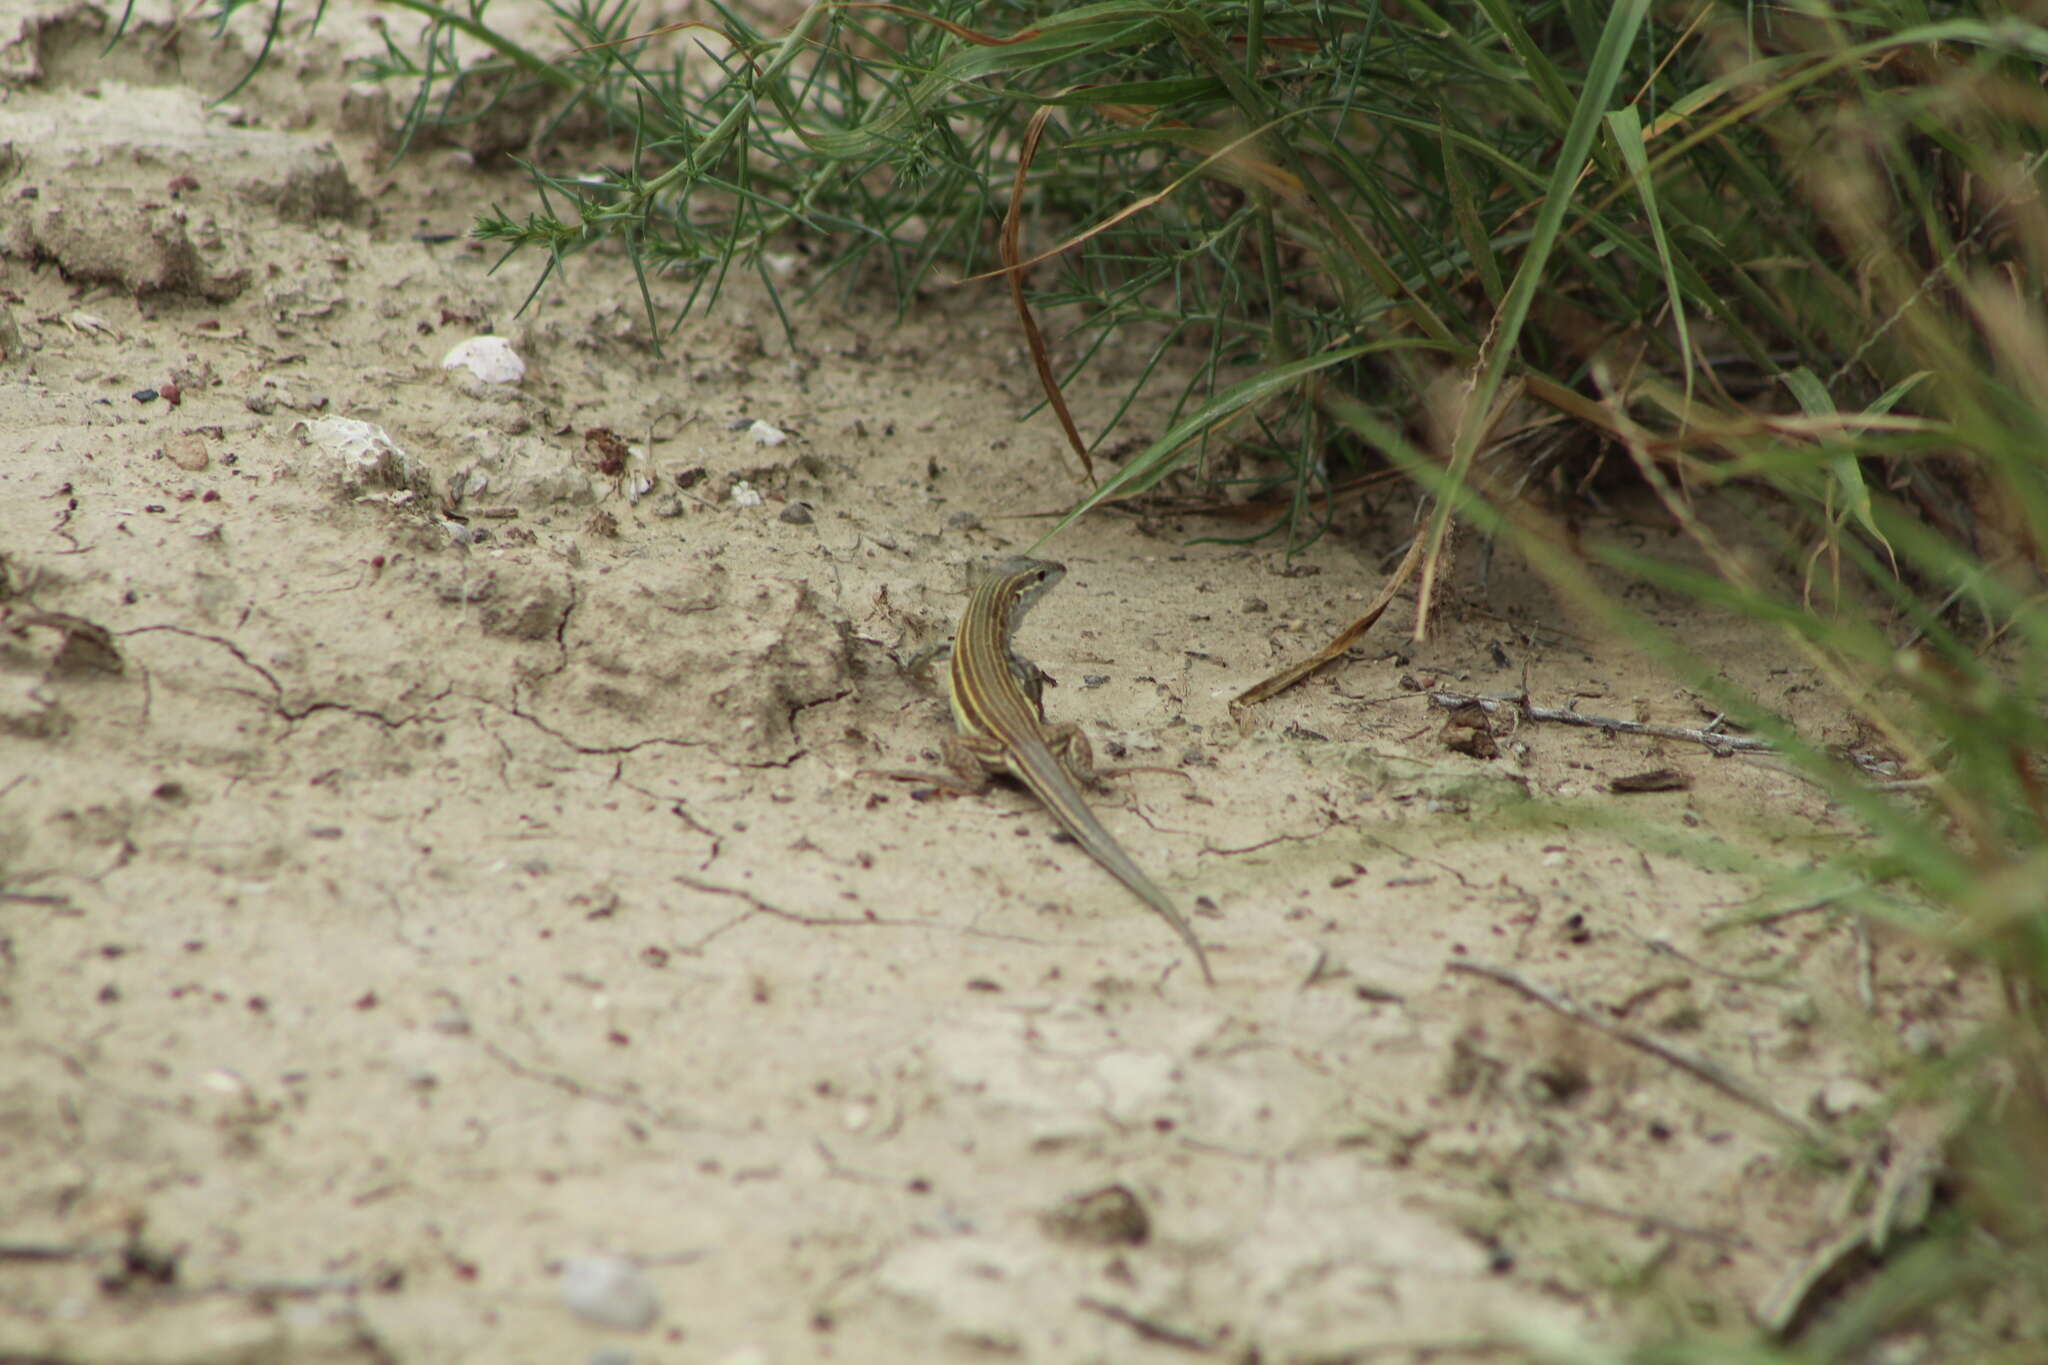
609, 1291
766, 435
1844, 1096
490, 359
1921, 1039
745, 494
355, 457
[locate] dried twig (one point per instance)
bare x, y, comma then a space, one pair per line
1698, 1067
1774, 916
1657, 1221
1147, 1328
1520, 705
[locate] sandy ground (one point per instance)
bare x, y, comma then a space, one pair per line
443, 916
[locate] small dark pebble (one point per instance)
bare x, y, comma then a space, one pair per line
1656, 780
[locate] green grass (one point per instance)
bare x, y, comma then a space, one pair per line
1791, 256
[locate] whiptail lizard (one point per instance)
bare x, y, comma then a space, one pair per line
998, 705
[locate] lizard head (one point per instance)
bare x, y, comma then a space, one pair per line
1029, 578
1023, 581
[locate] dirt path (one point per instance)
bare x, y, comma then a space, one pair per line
421, 910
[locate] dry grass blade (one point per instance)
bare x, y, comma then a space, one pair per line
1013, 271
1329, 653
1230, 154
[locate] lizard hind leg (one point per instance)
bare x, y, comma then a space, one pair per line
1070, 746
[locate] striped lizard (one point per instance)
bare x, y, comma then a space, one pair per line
998, 706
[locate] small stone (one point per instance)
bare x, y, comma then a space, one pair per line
354, 457
609, 1291
1843, 1097
797, 514
1254, 606
765, 434
1920, 1039
1800, 1014
491, 359
1110, 1216
187, 452
1909, 1348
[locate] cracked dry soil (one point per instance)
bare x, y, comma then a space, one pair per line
417, 883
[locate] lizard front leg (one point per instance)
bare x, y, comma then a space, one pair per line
970, 764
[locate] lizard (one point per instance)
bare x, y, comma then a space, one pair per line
999, 708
